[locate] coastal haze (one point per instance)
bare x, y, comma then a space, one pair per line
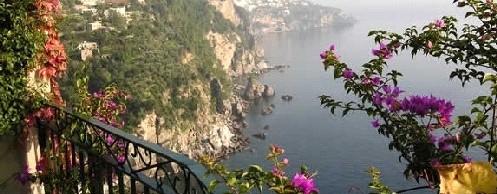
341, 148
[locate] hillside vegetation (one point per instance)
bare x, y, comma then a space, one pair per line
160, 55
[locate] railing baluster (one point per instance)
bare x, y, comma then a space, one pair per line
133, 186
81, 172
93, 186
146, 189
120, 181
109, 179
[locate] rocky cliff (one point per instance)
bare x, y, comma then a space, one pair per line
227, 9
232, 50
217, 129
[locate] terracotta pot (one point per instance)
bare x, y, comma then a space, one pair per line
476, 177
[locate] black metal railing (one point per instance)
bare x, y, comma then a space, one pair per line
102, 159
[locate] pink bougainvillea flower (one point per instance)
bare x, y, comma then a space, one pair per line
371, 81
383, 51
42, 164
277, 149
24, 176
304, 184
429, 45
332, 47
121, 158
284, 161
376, 81
377, 99
375, 123
111, 104
367, 81
445, 146
277, 172
467, 159
348, 73
109, 139
30, 120
424, 105
323, 55
101, 119
435, 162
439, 24
433, 138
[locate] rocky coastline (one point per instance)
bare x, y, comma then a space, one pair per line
218, 130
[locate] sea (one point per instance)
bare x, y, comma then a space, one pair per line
339, 149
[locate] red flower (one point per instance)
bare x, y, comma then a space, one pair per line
42, 164
47, 72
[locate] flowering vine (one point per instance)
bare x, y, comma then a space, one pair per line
52, 60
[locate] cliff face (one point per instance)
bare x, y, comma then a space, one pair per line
213, 133
235, 58
227, 9
216, 131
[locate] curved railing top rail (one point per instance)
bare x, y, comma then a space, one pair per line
161, 169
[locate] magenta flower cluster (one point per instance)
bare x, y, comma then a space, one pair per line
417, 105
329, 53
304, 184
108, 108
444, 144
376, 81
24, 176
383, 52
348, 73
439, 24
388, 97
429, 105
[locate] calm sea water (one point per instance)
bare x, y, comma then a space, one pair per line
339, 148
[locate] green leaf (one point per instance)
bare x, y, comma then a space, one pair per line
255, 168
231, 181
212, 185
468, 14
490, 77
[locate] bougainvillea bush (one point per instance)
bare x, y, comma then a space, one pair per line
255, 177
422, 128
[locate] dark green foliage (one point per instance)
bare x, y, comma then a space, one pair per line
19, 43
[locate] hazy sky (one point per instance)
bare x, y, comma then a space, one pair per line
415, 11
362, 4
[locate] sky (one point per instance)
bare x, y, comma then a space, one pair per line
392, 12
387, 4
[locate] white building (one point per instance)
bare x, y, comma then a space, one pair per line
86, 49
91, 2
94, 26
121, 11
